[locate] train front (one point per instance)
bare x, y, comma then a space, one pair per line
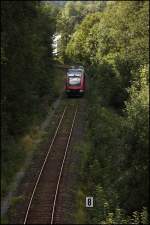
75, 82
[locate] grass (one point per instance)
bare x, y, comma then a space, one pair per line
4, 220
11, 162
80, 216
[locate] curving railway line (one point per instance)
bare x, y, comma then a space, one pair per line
42, 205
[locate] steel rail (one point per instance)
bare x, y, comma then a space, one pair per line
62, 166
37, 181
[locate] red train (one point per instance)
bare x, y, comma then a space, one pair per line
75, 81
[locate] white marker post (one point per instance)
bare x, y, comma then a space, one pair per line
89, 202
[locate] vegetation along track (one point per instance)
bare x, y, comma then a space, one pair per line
43, 201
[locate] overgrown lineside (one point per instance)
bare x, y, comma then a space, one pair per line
113, 45
27, 78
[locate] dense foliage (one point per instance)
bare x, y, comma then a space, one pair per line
114, 46
27, 77
112, 41
70, 17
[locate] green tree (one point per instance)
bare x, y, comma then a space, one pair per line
27, 78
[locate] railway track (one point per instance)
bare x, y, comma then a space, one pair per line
42, 205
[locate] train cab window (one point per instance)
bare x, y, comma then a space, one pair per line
75, 72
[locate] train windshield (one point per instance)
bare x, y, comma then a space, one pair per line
74, 81
74, 73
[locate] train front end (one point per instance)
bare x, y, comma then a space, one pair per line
75, 83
